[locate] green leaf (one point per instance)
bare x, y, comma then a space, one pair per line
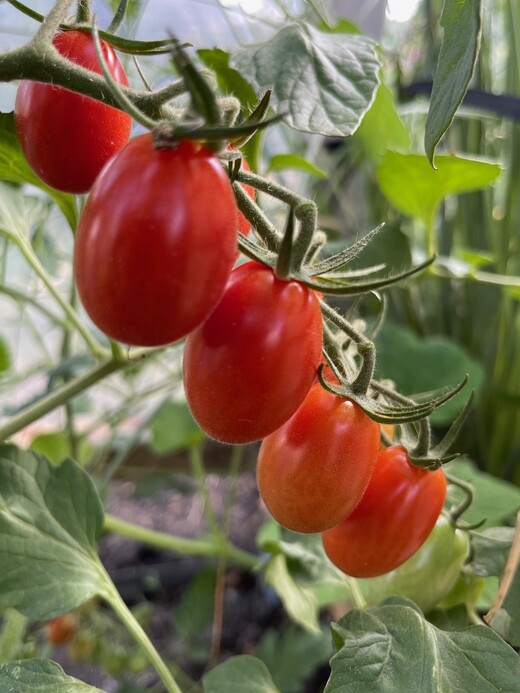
382, 128
56, 446
494, 499
14, 168
50, 518
5, 356
489, 550
293, 656
19, 212
462, 23
343, 26
393, 648
173, 428
420, 365
327, 83
12, 635
39, 676
299, 602
414, 188
239, 674
230, 81
195, 612
507, 620
279, 162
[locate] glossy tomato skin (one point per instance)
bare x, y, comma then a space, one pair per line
250, 365
396, 514
313, 470
156, 242
67, 138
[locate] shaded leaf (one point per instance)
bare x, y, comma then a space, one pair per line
462, 24
494, 499
393, 648
489, 550
50, 518
5, 357
420, 365
382, 128
39, 676
280, 162
12, 635
328, 80
414, 188
173, 428
239, 674
230, 81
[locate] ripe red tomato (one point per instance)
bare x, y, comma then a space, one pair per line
67, 138
250, 365
394, 517
61, 629
313, 470
156, 242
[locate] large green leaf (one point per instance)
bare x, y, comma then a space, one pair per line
420, 365
39, 676
507, 620
461, 20
393, 648
489, 550
14, 168
239, 674
382, 128
494, 499
414, 188
50, 518
327, 83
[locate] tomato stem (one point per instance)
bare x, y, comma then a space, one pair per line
84, 12
457, 512
284, 262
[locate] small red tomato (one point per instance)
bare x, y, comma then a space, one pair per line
313, 470
67, 138
156, 242
250, 365
61, 629
394, 517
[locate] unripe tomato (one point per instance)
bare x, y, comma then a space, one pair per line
393, 519
428, 575
250, 365
313, 470
61, 629
156, 242
67, 138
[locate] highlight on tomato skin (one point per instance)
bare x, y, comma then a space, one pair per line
249, 366
67, 138
394, 518
156, 242
313, 470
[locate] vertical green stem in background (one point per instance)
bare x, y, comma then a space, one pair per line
199, 472
128, 619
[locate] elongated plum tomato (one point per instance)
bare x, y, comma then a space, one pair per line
393, 519
156, 242
67, 138
249, 366
313, 470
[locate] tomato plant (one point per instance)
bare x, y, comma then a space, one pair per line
313, 470
250, 365
429, 574
243, 224
394, 517
156, 242
67, 138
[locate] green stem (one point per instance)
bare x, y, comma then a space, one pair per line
84, 12
194, 547
113, 597
199, 472
32, 259
57, 398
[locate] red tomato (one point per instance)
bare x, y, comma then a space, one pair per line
61, 629
156, 242
249, 366
313, 470
67, 138
395, 516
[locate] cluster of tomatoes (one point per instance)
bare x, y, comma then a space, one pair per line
154, 256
